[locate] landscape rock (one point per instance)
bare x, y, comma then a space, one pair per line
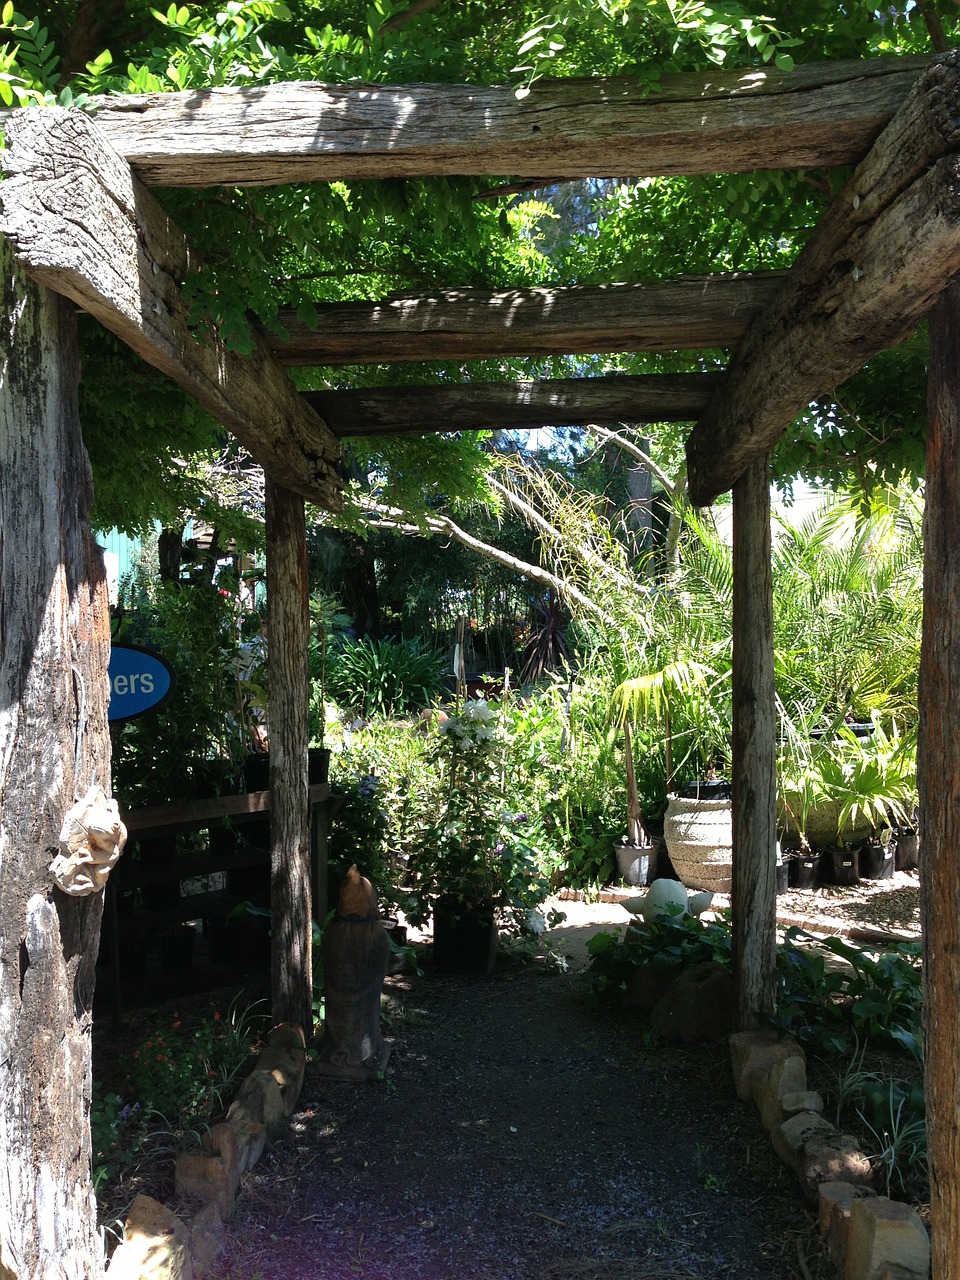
752, 1052
807, 1101
791, 1137
886, 1238
251, 1140
285, 1059
699, 1006
260, 1100
836, 1200
207, 1239
835, 1158
787, 1076
155, 1245
213, 1174
646, 987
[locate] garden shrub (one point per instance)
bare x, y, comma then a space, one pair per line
384, 677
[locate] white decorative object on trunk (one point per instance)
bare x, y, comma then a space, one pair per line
91, 839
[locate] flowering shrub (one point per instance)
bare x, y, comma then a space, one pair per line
474, 850
182, 1072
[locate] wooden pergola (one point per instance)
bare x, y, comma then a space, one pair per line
79, 223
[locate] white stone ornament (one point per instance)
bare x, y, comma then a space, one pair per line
91, 840
664, 894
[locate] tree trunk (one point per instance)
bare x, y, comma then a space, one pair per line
289, 675
754, 750
939, 778
54, 744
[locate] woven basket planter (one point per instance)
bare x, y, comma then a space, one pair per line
699, 838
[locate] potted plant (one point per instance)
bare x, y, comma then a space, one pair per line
474, 869
844, 791
698, 822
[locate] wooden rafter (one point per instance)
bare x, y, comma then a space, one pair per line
873, 267
670, 397
719, 122
695, 312
83, 225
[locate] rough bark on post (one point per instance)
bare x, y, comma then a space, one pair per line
289, 675
939, 778
754, 750
54, 650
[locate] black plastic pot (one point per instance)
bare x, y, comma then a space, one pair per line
716, 789
464, 937
844, 865
256, 768
803, 870
907, 849
783, 876
876, 861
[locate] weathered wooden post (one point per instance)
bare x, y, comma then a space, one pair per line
289, 674
939, 779
54, 744
754, 750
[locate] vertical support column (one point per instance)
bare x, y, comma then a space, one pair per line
939, 779
54, 745
289, 679
754, 750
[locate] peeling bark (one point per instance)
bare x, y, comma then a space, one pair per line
54, 650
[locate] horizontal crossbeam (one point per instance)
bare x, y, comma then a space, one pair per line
715, 122
674, 397
694, 313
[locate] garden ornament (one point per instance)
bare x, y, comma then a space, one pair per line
664, 895
91, 840
356, 950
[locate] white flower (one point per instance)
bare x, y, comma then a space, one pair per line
534, 922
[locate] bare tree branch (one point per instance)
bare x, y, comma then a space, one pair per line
393, 518
634, 450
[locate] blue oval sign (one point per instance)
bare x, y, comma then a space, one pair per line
139, 681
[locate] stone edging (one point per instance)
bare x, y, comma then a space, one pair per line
157, 1244
867, 1235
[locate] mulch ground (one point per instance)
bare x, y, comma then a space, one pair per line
523, 1130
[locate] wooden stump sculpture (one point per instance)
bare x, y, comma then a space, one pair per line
355, 954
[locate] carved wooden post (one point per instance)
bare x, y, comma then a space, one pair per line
54, 621
754, 750
939, 777
289, 676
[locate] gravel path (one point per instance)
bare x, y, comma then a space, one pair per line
522, 1132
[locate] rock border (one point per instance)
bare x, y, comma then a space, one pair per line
159, 1245
868, 1236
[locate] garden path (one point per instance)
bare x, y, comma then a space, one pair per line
523, 1132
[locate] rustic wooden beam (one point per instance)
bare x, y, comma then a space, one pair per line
714, 122
471, 406
288, 592
754, 751
84, 226
872, 268
938, 771
54, 744
691, 313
